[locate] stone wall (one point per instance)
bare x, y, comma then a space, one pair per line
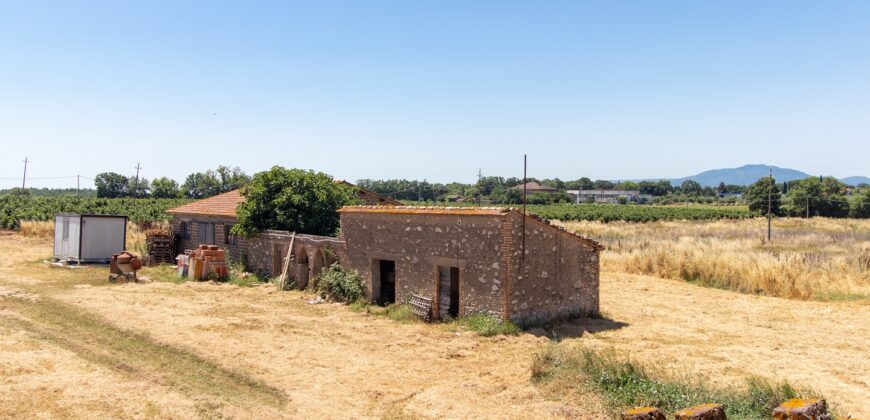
267, 250
262, 254
419, 244
558, 278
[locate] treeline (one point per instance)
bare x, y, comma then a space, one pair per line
196, 185
813, 196
499, 190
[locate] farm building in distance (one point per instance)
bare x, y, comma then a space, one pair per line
604, 196
468, 260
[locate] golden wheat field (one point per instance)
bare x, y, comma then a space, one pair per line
819, 258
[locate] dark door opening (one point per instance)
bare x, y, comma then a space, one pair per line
387, 273
448, 278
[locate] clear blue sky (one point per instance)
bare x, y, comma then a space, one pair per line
434, 90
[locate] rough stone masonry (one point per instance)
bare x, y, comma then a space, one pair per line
473, 260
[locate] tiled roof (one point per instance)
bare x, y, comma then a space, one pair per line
220, 205
426, 210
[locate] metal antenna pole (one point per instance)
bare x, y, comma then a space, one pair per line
25, 173
136, 183
479, 193
525, 172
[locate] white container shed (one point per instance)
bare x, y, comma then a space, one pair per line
88, 238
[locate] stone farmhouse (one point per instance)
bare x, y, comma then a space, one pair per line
468, 260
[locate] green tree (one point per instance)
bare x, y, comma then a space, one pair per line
691, 187
201, 185
111, 185
818, 197
860, 207
164, 188
602, 185
758, 193
138, 188
292, 199
657, 189
231, 178
580, 184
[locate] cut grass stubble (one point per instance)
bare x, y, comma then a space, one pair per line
135, 353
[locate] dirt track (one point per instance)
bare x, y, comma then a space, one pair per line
326, 361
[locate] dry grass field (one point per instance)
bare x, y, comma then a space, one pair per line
822, 259
74, 346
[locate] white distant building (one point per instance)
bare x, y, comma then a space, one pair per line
604, 196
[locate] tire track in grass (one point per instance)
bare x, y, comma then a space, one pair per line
137, 354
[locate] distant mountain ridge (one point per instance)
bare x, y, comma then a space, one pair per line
748, 174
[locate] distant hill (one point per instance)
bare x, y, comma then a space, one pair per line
744, 175
855, 180
748, 174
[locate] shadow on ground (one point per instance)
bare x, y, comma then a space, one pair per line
575, 328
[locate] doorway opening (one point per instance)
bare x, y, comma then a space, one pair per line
386, 280
448, 286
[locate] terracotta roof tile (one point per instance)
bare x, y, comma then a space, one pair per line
220, 205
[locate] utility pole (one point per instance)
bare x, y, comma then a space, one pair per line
78, 185
769, 204
808, 206
479, 194
136, 183
25, 173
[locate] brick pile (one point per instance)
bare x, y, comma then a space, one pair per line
207, 262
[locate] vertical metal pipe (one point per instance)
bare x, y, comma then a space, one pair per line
525, 181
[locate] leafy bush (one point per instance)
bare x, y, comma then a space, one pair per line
292, 199
341, 285
487, 325
625, 384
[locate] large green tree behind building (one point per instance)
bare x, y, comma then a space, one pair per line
292, 199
